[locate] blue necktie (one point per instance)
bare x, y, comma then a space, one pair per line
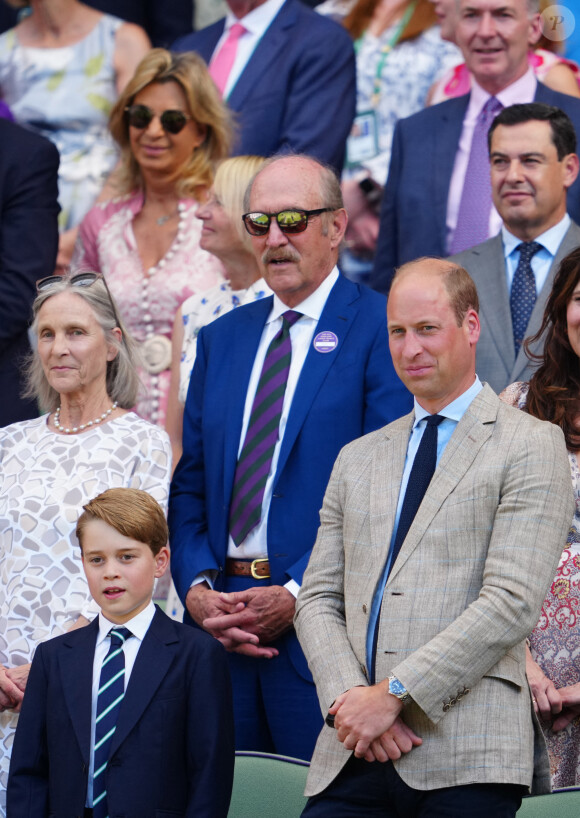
109, 698
419, 479
523, 294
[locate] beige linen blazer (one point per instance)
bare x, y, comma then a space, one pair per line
464, 593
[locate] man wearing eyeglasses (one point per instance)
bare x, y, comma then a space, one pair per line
279, 386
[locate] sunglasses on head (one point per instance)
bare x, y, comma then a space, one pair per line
289, 221
172, 121
78, 280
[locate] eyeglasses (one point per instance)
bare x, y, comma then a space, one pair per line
289, 221
172, 121
85, 279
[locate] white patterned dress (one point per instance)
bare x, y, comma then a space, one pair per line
45, 479
555, 641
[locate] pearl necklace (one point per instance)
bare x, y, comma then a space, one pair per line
82, 426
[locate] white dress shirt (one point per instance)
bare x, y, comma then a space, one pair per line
256, 24
520, 91
138, 626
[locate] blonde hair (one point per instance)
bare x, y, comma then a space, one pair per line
204, 104
131, 512
231, 180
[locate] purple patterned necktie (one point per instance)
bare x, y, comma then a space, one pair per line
523, 294
255, 458
475, 206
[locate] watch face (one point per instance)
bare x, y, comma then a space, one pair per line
396, 688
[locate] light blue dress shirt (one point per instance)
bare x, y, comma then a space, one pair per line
542, 260
452, 413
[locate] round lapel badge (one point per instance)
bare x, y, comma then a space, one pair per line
325, 341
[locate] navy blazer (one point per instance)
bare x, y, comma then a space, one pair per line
340, 396
298, 91
28, 246
414, 209
173, 750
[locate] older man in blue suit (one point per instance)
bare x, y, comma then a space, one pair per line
431, 163
292, 82
338, 384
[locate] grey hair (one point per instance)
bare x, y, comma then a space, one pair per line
533, 6
330, 191
123, 382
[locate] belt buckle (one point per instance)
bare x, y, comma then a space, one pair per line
253, 568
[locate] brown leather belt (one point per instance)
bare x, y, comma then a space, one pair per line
258, 569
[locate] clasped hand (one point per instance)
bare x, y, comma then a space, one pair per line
12, 685
367, 721
243, 621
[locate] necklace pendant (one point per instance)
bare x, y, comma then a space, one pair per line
162, 220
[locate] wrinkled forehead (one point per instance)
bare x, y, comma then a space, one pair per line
288, 183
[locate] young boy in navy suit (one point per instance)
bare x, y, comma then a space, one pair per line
134, 723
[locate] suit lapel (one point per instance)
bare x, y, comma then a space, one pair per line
494, 297
269, 48
472, 431
75, 660
570, 241
243, 353
387, 473
446, 139
337, 317
205, 44
155, 656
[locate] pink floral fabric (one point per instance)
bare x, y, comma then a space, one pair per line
106, 244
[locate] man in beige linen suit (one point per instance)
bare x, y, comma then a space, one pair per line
447, 729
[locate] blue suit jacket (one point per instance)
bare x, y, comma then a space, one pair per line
414, 208
340, 396
298, 91
28, 246
173, 750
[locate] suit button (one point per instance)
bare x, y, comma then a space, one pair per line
446, 707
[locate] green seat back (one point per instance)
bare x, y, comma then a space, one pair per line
560, 804
268, 786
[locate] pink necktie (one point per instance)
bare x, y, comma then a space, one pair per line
223, 62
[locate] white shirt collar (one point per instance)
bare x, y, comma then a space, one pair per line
313, 305
551, 239
258, 20
138, 625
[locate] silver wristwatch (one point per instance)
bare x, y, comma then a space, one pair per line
398, 689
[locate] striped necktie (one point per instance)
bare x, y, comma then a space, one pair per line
109, 697
255, 458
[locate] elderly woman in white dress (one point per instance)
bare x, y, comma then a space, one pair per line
83, 371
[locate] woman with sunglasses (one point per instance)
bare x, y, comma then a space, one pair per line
61, 69
83, 372
172, 128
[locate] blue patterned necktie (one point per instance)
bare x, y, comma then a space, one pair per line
421, 474
475, 205
109, 698
523, 294
255, 459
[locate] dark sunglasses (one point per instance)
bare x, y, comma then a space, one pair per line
289, 221
139, 116
78, 280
